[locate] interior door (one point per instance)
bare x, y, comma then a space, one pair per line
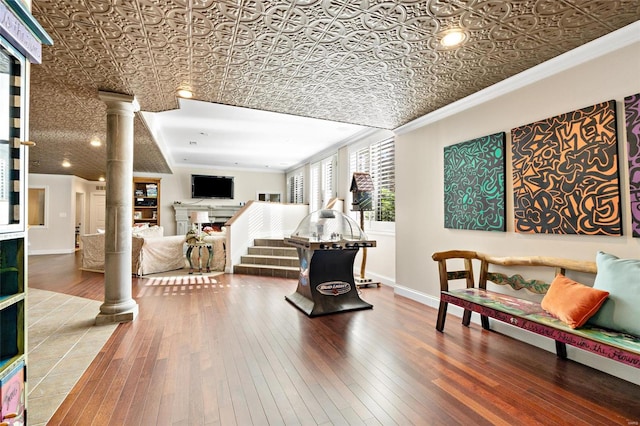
97, 212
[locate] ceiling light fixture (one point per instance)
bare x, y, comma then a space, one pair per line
185, 93
101, 178
453, 38
66, 163
95, 142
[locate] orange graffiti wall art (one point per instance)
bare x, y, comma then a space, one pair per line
565, 173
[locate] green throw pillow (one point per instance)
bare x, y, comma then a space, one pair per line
621, 278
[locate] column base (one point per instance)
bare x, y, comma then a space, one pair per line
125, 316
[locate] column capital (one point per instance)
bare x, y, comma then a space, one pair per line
113, 99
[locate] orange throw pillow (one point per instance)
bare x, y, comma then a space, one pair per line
571, 302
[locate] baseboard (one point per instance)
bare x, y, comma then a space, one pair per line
51, 251
101, 271
418, 296
375, 278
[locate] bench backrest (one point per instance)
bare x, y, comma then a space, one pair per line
516, 281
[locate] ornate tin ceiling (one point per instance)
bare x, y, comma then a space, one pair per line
373, 63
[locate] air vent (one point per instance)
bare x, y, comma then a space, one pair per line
101, 187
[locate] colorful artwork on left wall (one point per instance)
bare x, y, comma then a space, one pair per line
632, 115
565, 173
474, 177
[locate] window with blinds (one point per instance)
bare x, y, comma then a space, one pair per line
322, 182
378, 160
296, 188
315, 201
328, 186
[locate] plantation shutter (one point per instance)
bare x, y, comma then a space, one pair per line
378, 160
296, 188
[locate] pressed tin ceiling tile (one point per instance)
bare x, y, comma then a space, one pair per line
366, 62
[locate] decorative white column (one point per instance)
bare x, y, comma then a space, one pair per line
118, 304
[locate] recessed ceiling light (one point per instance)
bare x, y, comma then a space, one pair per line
66, 163
95, 142
453, 38
185, 93
101, 178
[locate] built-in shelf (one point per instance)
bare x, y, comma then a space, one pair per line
12, 300
146, 200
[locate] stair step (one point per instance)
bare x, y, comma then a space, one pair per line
267, 270
269, 257
270, 260
273, 251
269, 242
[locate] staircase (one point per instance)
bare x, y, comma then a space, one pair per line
269, 257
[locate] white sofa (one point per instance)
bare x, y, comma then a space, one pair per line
151, 252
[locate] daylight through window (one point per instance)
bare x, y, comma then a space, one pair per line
378, 160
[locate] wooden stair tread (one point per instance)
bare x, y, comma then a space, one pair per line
270, 256
260, 266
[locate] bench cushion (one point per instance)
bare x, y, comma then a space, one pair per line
572, 302
621, 278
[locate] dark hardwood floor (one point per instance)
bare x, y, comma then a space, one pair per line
237, 353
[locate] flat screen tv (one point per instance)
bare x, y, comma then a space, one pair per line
203, 186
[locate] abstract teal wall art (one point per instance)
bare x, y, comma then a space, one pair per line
474, 184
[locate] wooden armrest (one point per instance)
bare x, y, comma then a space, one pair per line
455, 254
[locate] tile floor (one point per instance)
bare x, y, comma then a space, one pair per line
62, 342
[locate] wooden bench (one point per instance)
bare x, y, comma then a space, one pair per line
521, 312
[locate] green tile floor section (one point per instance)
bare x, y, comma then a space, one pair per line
62, 342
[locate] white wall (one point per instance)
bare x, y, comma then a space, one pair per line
381, 262
58, 234
419, 165
177, 187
